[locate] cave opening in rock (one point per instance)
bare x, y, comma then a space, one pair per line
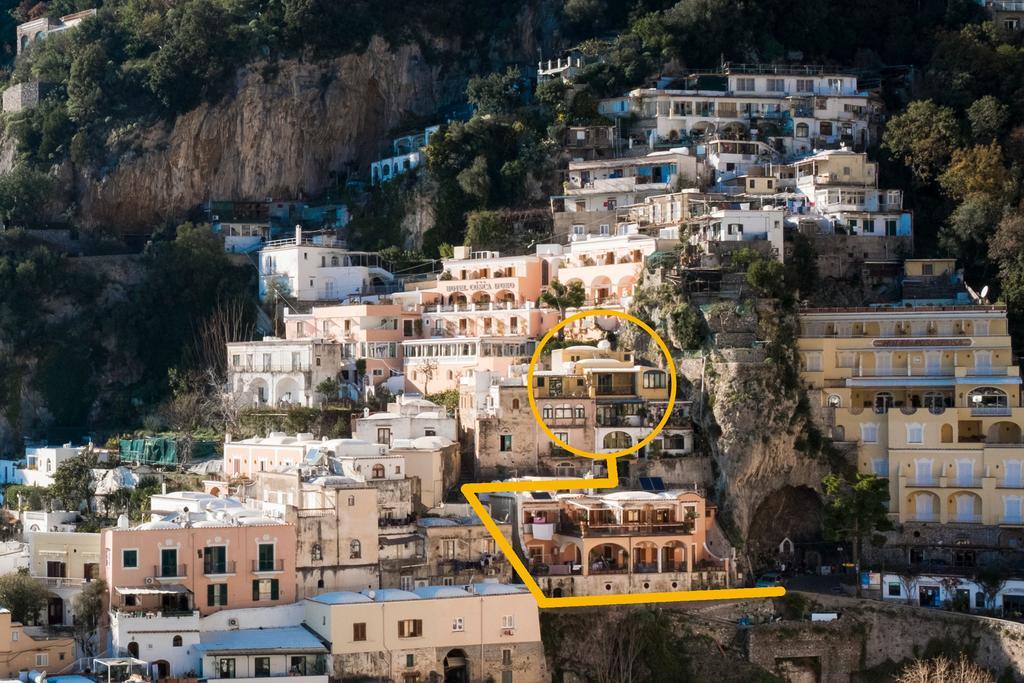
786, 529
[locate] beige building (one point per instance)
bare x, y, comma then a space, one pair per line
479, 632
30, 648
621, 542
930, 395
63, 562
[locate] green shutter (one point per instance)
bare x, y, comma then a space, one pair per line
273, 589
210, 599
256, 589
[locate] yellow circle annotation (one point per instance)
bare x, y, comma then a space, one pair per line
668, 360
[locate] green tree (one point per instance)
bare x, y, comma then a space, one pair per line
328, 389
923, 137
475, 180
987, 117
975, 171
496, 93
563, 297
87, 608
854, 510
22, 192
767, 277
1006, 248
485, 230
73, 484
23, 596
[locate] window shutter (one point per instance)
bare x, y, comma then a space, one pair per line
256, 589
273, 589
210, 595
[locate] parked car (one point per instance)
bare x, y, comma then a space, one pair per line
769, 580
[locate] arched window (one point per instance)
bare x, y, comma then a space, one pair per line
546, 412
378, 471
834, 401
351, 501
317, 552
987, 397
947, 433
176, 641
802, 130
355, 550
515, 404
617, 440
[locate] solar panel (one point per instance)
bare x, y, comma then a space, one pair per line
541, 495
657, 484
646, 483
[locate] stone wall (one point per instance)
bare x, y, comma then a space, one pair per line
22, 96
483, 662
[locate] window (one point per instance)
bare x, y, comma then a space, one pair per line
261, 667
226, 667
265, 553
216, 594
359, 631
869, 433
410, 628
168, 562
546, 412
744, 84
515, 404
378, 471
894, 590
410, 661
351, 501
129, 559
42, 659
915, 433
890, 230
458, 624
265, 589
355, 550
776, 85
825, 128
869, 225
805, 85
979, 600
316, 552
14, 636
215, 560
655, 380
802, 130
508, 621
506, 657
506, 442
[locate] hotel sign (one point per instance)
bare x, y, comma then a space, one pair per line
478, 285
914, 342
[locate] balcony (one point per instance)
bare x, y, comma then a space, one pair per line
219, 569
923, 517
167, 572
619, 421
586, 529
1010, 484
558, 452
1012, 520
267, 566
965, 519
991, 411
59, 581
272, 367
923, 481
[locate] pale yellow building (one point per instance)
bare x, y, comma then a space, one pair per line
30, 648
63, 561
931, 396
483, 631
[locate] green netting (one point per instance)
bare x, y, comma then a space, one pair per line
161, 450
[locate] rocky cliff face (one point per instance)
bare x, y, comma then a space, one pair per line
283, 129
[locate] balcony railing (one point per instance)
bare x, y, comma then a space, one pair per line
1010, 484
585, 529
59, 581
966, 519
217, 569
170, 571
272, 367
1013, 519
923, 517
966, 482
991, 411
923, 481
268, 565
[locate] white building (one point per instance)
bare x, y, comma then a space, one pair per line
406, 418
938, 590
406, 154
321, 269
254, 654
42, 462
283, 372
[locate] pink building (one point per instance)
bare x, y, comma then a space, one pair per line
433, 365
202, 561
278, 450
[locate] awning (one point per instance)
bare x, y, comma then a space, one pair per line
987, 380
173, 589
907, 382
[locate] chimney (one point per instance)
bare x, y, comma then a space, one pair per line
227, 438
163, 488
298, 235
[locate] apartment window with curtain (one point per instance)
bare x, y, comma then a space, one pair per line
265, 589
410, 628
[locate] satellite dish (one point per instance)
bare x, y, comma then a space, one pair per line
984, 291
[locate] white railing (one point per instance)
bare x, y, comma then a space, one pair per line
59, 582
997, 411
